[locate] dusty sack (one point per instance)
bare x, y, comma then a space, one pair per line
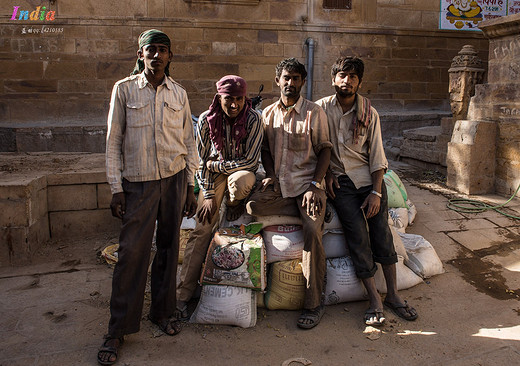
286, 286
398, 218
342, 283
283, 242
396, 191
422, 257
235, 258
334, 244
406, 278
226, 305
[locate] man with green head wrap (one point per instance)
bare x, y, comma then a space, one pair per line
151, 160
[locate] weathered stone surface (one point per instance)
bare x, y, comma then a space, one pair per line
428, 134
67, 224
72, 197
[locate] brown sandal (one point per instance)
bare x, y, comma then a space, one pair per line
170, 326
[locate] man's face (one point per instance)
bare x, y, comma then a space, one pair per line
290, 84
346, 83
232, 106
155, 56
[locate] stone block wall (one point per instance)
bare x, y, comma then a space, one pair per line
64, 76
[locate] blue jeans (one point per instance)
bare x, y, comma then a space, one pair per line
366, 246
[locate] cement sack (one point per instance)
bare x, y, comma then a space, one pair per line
188, 224
398, 218
342, 284
236, 257
406, 278
398, 244
412, 212
286, 286
334, 223
397, 195
226, 305
335, 244
422, 258
283, 242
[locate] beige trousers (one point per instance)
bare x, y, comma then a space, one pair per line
239, 186
314, 263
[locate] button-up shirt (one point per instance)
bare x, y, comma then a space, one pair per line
150, 132
294, 137
357, 159
229, 160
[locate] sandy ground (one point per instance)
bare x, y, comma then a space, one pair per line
55, 310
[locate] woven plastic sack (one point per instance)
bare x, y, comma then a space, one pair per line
286, 286
422, 257
342, 283
396, 191
283, 242
226, 305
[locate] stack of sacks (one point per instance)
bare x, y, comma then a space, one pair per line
401, 211
233, 272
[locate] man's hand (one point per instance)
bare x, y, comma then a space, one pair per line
315, 201
209, 162
372, 203
190, 207
331, 182
207, 210
118, 205
268, 181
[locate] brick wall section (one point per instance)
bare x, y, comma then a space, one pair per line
66, 78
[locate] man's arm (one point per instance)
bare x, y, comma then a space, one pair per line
313, 199
373, 202
190, 206
115, 126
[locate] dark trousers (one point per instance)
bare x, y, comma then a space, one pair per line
147, 202
370, 240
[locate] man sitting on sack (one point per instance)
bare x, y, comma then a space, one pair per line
229, 138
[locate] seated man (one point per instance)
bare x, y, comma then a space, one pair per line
295, 155
229, 139
355, 183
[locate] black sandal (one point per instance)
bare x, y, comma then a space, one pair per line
109, 350
170, 326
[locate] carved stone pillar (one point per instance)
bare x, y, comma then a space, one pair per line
465, 72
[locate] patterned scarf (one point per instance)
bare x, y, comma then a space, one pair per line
362, 116
216, 119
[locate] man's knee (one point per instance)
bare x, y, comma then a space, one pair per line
240, 184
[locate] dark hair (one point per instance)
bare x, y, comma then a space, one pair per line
347, 64
291, 65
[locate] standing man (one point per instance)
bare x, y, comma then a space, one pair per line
151, 161
355, 183
229, 140
295, 156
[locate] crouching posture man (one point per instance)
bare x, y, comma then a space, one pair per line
355, 183
295, 155
229, 139
151, 160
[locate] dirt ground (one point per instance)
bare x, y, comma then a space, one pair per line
55, 310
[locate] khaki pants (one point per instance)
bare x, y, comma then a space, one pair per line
314, 264
238, 185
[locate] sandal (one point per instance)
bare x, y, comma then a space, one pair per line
109, 351
404, 311
169, 326
374, 317
314, 316
182, 313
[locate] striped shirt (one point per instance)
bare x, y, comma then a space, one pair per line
228, 160
149, 132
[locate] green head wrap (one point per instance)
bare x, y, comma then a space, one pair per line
148, 37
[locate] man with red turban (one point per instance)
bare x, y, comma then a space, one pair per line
229, 139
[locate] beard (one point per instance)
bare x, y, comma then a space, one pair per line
291, 92
346, 92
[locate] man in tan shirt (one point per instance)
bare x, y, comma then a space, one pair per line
151, 160
295, 156
355, 183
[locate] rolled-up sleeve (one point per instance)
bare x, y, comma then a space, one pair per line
116, 125
320, 130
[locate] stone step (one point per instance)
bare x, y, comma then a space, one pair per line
427, 134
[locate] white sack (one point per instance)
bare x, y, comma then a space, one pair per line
342, 283
398, 218
226, 305
335, 244
406, 278
283, 242
422, 258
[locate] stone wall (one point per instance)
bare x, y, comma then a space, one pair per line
63, 77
